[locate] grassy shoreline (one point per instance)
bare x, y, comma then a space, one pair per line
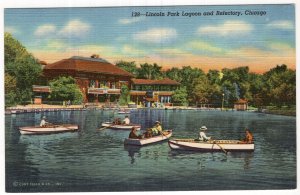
285, 111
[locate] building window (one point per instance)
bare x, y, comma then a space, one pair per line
92, 83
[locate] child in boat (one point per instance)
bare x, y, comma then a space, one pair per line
202, 135
157, 129
133, 134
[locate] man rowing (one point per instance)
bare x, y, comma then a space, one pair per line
43, 122
248, 137
126, 120
202, 135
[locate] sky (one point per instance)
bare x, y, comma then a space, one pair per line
204, 41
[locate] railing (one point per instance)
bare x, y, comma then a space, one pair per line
40, 88
154, 92
103, 91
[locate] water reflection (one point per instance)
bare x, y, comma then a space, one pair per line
132, 151
90, 156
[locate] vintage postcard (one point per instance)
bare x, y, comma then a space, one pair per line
150, 98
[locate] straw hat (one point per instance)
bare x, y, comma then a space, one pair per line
203, 128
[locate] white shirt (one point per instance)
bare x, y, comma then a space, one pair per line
202, 136
43, 123
126, 121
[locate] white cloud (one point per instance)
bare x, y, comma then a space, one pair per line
10, 29
281, 24
230, 27
156, 35
45, 30
130, 20
74, 28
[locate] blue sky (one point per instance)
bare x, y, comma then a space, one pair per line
207, 42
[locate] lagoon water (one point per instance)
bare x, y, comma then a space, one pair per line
92, 160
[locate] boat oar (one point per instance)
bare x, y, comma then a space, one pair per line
104, 127
220, 147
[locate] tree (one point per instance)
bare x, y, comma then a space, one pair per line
124, 97
180, 95
10, 86
174, 74
204, 92
128, 66
22, 66
64, 89
13, 49
149, 71
186, 76
280, 83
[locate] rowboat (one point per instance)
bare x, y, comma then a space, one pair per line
48, 129
212, 145
110, 125
144, 141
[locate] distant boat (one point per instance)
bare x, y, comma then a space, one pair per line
213, 145
150, 140
110, 125
48, 129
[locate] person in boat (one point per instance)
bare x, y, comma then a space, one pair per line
248, 137
157, 129
117, 121
148, 133
202, 135
43, 123
133, 134
126, 120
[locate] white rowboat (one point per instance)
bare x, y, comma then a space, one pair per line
48, 129
110, 125
145, 141
210, 146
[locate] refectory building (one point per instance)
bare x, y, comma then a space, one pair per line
96, 78
101, 81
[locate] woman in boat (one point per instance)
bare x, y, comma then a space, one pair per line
157, 129
133, 134
43, 123
126, 120
202, 135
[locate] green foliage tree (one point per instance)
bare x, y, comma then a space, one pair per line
174, 74
149, 71
64, 89
23, 67
205, 92
180, 96
280, 86
124, 97
128, 66
10, 86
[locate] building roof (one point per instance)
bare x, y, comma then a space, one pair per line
165, 81
92, 65
241, 101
